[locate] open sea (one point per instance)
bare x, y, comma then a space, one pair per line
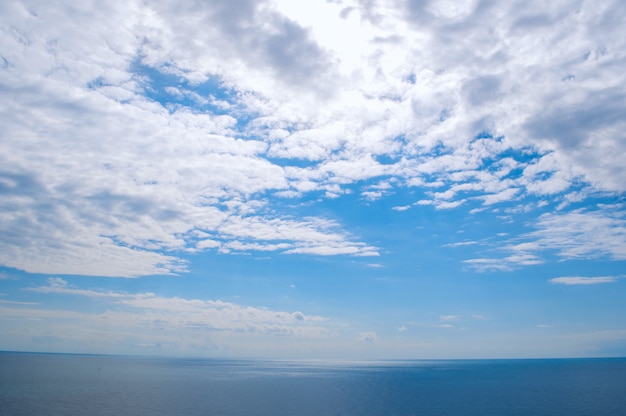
66, 384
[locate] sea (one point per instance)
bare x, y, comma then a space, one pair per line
67, 384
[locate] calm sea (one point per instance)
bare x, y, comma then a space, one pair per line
59, 384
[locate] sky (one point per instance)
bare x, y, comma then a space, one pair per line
352, 179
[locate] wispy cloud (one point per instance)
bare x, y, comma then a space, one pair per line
367, 336
578, 280
11, 302
212, 315
579, 234
488, 264
462, 244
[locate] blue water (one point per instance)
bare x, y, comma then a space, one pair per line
59, 384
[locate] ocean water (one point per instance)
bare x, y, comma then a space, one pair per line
64, 384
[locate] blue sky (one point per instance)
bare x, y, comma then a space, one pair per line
313, 179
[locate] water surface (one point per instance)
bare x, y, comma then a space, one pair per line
64, 384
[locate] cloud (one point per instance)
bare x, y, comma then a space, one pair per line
578, 280
481, 90
131, 210
576, 126
488, 264
9, 302
248, 31
462, 244
312, 235
589, 234
129, 130
505, 263
6, 276
367, 336
60, 286
449, 317
580, 234
175, 313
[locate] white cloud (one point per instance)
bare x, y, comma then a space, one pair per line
505, 195
10, 302
579, 234
99, 178
579, 280
372, 195
506, 263
488, 264
448, 318
172, 313
462, 244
